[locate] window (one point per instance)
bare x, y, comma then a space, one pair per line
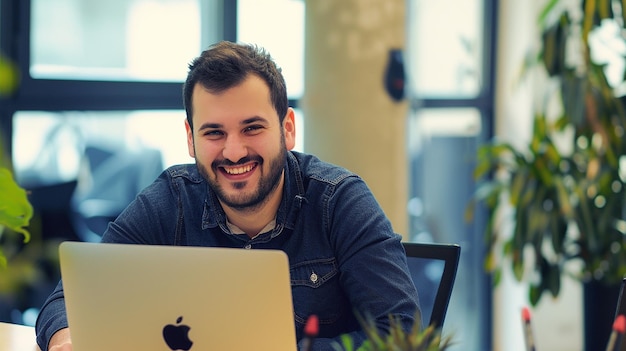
278, 26
145, 40
450, 75
448, 63
103, 66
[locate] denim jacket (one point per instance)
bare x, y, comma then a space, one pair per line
345, 260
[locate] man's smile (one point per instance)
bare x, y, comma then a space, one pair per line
239, 169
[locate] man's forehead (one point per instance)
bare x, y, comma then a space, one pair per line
245, 105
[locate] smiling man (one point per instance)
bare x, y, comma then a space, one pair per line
240, 148
249, 190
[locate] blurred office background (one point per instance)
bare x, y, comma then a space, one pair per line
98, 114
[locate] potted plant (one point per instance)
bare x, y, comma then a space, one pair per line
15, 208
565, 190
18, 268
397, 339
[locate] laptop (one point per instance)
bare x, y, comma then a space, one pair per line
148, 297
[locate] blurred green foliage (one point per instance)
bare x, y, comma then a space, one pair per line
566, 188
15, 209
9, 76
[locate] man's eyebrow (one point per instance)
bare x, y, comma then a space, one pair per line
210, 126
254, 119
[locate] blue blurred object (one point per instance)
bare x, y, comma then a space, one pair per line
115, 178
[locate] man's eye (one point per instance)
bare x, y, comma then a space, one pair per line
252, 128
213, 133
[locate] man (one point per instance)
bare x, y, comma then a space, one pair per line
248, 190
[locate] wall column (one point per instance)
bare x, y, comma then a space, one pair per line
350, 119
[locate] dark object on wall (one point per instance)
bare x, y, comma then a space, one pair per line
394, 75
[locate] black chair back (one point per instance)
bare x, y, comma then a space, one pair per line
433, 268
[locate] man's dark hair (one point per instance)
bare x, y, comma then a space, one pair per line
225, 65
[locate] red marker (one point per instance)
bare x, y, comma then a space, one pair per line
311, 328
615, 340
528, 331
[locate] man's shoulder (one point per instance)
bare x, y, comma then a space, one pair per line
313, 167
187, 171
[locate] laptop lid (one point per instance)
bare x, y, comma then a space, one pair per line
145, 297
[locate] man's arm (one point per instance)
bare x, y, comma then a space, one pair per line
372, 259
61, 341
51, 318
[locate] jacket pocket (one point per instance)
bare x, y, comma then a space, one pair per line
316, 290
313, 273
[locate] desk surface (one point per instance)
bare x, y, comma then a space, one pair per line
15, 337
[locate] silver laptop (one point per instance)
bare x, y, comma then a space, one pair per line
144, 297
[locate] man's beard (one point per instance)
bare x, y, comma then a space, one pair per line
267, 183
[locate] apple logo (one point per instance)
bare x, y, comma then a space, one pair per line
177, 336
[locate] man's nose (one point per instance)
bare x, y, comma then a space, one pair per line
234, 149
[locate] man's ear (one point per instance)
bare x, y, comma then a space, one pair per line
289, 129
190, 145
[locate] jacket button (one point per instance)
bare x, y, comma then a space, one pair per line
247, 247
313, 277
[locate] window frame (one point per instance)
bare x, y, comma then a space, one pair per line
64, 95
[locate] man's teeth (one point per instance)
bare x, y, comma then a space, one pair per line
238, 170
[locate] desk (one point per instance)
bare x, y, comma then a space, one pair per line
15, 337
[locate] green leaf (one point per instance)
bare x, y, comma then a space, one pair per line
3, 261
553, 280
490, 263
497, 276
562, 196
534, 294
346, 343
10, 76
604, 9
518, 184
558, 229
518, 266
554, 39
547, 9
15, 209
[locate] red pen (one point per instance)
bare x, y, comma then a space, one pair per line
311, 328
615, 340
528, 330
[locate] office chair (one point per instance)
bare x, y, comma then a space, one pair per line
433, 269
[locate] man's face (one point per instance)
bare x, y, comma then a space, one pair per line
238, 142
